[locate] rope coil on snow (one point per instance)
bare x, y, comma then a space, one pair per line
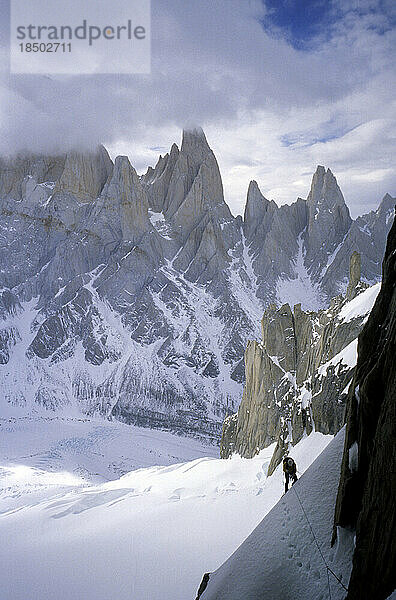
320, 551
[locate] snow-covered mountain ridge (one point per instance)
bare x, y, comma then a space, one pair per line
134, 297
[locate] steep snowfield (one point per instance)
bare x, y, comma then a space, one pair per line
347, 357
358, 307
148, 535
301, 288
361, 305
280, 560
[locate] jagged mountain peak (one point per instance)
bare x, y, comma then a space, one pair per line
121, 161
196, 151
125, 190
329, 221
387, 203
255, 208
124, 182
195, 179
193, 137
255, 196
85, 174
325, 189
387, 198
156, 279
153, 173
253, 187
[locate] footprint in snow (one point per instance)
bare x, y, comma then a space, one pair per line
316, 574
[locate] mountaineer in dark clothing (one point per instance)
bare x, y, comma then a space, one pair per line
290, 471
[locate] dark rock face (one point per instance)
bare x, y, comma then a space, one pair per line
367, 489
203, 585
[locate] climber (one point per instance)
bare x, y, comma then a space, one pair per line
290, 470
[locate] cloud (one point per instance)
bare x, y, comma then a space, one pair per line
271, 111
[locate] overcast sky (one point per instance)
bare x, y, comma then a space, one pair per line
278, 87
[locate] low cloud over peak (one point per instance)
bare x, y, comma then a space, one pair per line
271, 110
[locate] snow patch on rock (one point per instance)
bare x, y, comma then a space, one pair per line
301, 285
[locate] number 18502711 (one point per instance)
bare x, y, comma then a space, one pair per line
45, 47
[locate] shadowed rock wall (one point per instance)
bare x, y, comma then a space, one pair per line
367, 490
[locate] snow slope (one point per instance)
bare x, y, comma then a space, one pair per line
347, 357
148, 535
301, 286
280, 559
361, 305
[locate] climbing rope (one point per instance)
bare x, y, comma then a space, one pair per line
328, 570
